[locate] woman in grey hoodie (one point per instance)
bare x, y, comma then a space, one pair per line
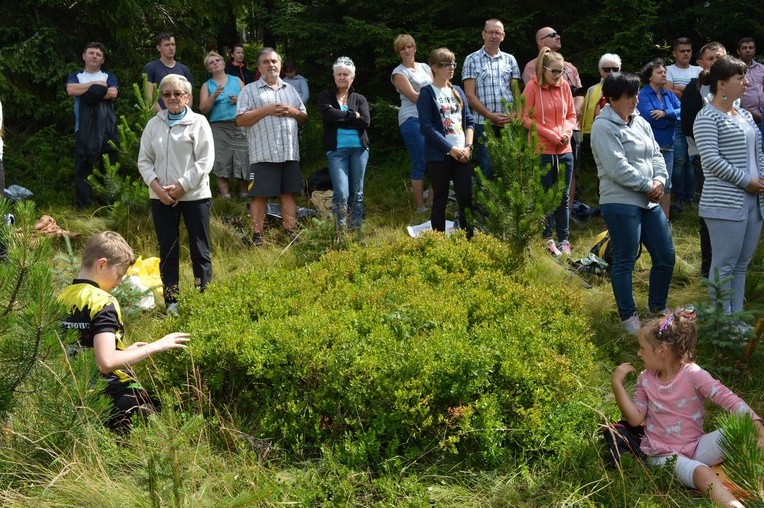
632, 175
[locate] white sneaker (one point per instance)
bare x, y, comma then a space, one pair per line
552, 248
172, 309
631, 325
565, 248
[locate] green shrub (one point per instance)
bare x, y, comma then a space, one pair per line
429, 347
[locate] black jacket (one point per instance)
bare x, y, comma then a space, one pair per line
333, 117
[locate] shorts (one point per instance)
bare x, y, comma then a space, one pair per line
707, 453
270, 179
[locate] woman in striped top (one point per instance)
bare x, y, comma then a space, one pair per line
731, 155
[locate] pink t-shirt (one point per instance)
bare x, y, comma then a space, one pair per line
674, 411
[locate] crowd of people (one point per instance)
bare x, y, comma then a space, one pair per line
694, 129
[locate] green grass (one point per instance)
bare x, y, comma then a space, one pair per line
193, 454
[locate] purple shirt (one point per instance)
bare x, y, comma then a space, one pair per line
753, 100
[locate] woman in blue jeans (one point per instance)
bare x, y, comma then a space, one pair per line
345, 115
409, 78
632, 174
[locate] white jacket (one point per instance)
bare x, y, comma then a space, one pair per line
183, 153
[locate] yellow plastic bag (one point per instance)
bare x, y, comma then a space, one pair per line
147, 270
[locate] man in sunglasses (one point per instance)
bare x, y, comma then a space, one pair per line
550, 38
95, 121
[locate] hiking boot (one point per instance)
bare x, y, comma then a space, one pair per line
632, 324
257, 239
552, 248
565, 248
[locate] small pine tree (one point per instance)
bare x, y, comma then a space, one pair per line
120, 183
513, 205
29, 313
724, 332
743, 458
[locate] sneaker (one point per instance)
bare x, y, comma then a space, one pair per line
552, 248
172, 309
423, 209
632, 324
661, 313
565, 248
257, 239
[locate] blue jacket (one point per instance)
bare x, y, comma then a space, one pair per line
663, 128
430, 125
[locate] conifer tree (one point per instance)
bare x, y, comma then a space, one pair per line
30, 317
513, 205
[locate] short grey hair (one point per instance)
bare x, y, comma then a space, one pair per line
175, 79
609, 57
344, 62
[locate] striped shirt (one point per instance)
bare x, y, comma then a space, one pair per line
724, 157
493, 77
272, 138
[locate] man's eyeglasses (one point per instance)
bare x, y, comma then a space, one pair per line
177, 95
550, 35
555, 72
495, 33
448, 64
611, 69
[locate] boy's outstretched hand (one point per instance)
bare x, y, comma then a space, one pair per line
175, 340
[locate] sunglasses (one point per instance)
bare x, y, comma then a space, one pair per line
611, 69
555, 72
177, 95
550, 35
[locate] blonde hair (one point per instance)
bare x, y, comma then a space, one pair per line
439, 55
676, 330
546, 57
109, 245
402, 41
210, 56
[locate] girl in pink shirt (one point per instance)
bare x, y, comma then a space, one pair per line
668, 400
549, 108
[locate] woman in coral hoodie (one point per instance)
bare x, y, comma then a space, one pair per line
549, 106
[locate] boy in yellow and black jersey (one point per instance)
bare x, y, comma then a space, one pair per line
95, 315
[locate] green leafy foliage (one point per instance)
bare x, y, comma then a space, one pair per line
417, 348
513, 205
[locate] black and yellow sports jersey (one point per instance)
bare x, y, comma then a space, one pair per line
93, 311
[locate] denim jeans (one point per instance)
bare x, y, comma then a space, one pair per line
414, 141
628, 226
668, 158
683, 178
481, 151
560, 218
347, 167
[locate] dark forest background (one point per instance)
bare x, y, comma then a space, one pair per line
42, 41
